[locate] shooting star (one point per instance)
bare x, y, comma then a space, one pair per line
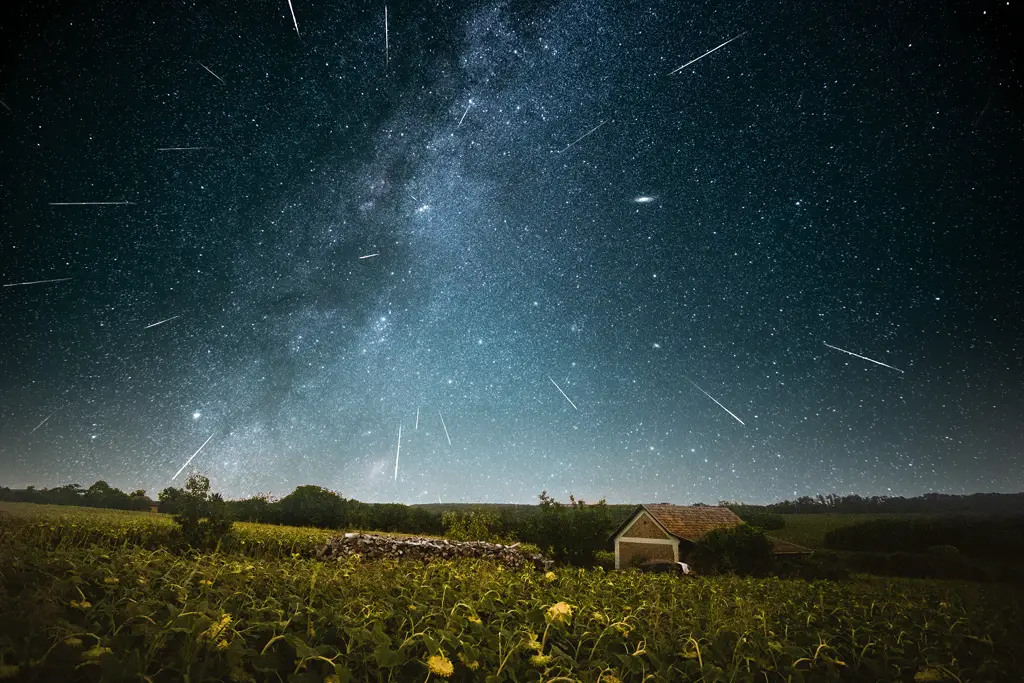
589, 132
644, 199
89, 203
294, 20
562, 392
398, 450
162, 322
677, 70
387, 44
179, 149
983, 110
193, 456
211, 72
6, 107
464, 114
43, 422
871, 360
445, 427
716, 401
417, 428
37, 282
369, 256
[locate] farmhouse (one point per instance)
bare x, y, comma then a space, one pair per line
660, 531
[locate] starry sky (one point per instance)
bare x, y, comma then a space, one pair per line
523, 236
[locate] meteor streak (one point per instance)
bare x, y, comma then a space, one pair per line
871, 360
211, 73
43, 422
464, 114
562, 392
716, 401
161, 322
294, 20
369, 256
589, 132
89, 203
178, 149
445, 427
417, 428
398, 450
705, 54
387, 44
193, 456
37, 282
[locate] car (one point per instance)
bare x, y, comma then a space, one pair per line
665, 567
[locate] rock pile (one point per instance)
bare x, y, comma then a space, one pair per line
375, 547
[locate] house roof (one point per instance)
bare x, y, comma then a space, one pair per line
689, 523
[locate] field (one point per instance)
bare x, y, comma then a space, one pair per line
809, 530
96, 596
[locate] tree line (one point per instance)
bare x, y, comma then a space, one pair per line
931, 503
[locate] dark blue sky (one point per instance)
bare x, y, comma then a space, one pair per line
543, 207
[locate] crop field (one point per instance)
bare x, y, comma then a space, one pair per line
809, 530
95, 596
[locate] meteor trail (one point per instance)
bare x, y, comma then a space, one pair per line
398, 450
862, 357
582, 136
6, 107
716, 401
211, 73
562, 392
161, 322
464, 114
37, 282
179, 149
417, 428
193, 456
445, 427
705, 54
89, 203
369, 256
43, 422
387, 45
294, 20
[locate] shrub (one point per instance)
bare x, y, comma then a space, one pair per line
605, 559
202, 516
476, 525
741, 550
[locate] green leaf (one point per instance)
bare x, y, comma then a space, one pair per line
386, 657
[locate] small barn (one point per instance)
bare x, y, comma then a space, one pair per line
661, 531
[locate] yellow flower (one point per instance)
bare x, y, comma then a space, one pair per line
111, 580
222, 644
439, 665
559, 613
216, 629
471, 664
599, 618
81, 604
473, 619
413, 608
540, 660
331, 678
206, 582
550, 577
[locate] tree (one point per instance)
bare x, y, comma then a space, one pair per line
202, 518
313, 506
741, 550
571, 533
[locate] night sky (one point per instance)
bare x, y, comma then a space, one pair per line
488, 204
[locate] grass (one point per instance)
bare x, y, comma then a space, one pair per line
92, 595
809, 530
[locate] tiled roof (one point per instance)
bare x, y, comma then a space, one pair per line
692, 522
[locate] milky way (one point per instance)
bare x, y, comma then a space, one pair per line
445, 223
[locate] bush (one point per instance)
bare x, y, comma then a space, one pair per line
202, 516
476, 525
1000, 538
605, 559
742, 550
